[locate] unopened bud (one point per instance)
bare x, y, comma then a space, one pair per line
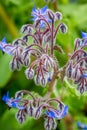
43, 81
29, 73
51, 15
58, 15
63, 28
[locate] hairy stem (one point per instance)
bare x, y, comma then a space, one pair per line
52, 83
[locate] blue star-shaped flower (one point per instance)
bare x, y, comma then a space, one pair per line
40, 13
57, 114
12, 102
7, 48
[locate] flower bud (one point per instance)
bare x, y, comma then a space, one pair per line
63, 28
38, 112
47, 124
29, 73
12, 65
37, 79
26, 29
26, 62
58, 15
69, 70
76, 74
18, 95
25, 38
43, 81
31, 110
21, 116
51, 15
77, 43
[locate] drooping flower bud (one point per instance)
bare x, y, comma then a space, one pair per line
58, 15
29, 73
37, 79
63, 28
21, 116
43, 81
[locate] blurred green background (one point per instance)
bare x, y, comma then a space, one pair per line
15, 13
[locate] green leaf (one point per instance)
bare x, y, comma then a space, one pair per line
5, 72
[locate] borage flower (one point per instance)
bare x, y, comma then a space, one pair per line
15, 103
58, 114
77, 66
37, 107
43, 67
7, 48
40, 14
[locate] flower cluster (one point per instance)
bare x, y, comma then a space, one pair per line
36, 107
36, 53
77, 66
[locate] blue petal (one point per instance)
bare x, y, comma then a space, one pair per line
44, 9
34, 9
49, 79
64, 112
50, 114
84, 35
5, 97
4, 40
13, 104
80, 125
84, 75
42, 24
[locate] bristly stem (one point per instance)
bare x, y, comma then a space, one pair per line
57, 30
52, 37
52, 83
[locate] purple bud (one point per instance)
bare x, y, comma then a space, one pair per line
26, 29
37, 79
12, 65
69, 70
26, 62
76, 74
21, 116
15, 64
18, 95
77, 43
51, 15
63, 28
43, 81
47, 124
58, 15
18, 64
25, 38
29, 73
54, 124
38, 112
31, 110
